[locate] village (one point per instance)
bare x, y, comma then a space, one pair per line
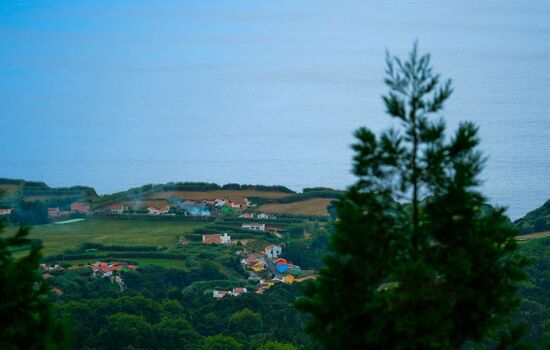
263, 266
110, 270
170, 207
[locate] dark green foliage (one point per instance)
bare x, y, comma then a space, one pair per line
26, 314
307, 254
264, 188
535, 308
275, 345
432, 274
537, 220
153, 313
31, 213
131, 321
211, 270
246, 322
222, 342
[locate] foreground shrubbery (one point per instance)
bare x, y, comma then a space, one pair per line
165, 309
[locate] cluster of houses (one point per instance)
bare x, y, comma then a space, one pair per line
203, 208
76, 207
218, 294
45, 268
99, 269
268, 268
103, 269
265, 267
54, 212
260, 216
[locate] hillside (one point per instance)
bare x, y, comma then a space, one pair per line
16, 190
272, 199
537, 220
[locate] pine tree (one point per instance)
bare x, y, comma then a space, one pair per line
415, 262
28, 320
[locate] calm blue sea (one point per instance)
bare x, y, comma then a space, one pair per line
119, 94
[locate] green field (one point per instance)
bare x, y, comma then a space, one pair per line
58, 238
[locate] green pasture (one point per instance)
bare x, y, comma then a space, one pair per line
58, 238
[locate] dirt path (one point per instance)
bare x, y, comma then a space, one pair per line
533, 236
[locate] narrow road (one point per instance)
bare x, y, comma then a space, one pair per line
533, 236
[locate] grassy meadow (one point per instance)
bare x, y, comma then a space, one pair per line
58, 238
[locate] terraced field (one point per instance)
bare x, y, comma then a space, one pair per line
314, 206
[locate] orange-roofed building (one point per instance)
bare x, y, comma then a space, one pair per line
212, 239
157, 211
80, 207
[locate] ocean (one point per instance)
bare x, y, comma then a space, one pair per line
119, 94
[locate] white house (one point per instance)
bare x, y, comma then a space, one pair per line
273, 251
5, 211
225, 239
118, 208
263, 216
235, 292
158, 211
255, 227
220, 293
247, 215
220, 202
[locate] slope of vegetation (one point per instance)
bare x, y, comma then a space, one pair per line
537, 220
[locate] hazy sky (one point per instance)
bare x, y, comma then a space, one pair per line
115, 94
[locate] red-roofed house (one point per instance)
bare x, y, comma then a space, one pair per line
280, 261
5, 211
158, 211
117, 208
212, 239
238, 291
80, 207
